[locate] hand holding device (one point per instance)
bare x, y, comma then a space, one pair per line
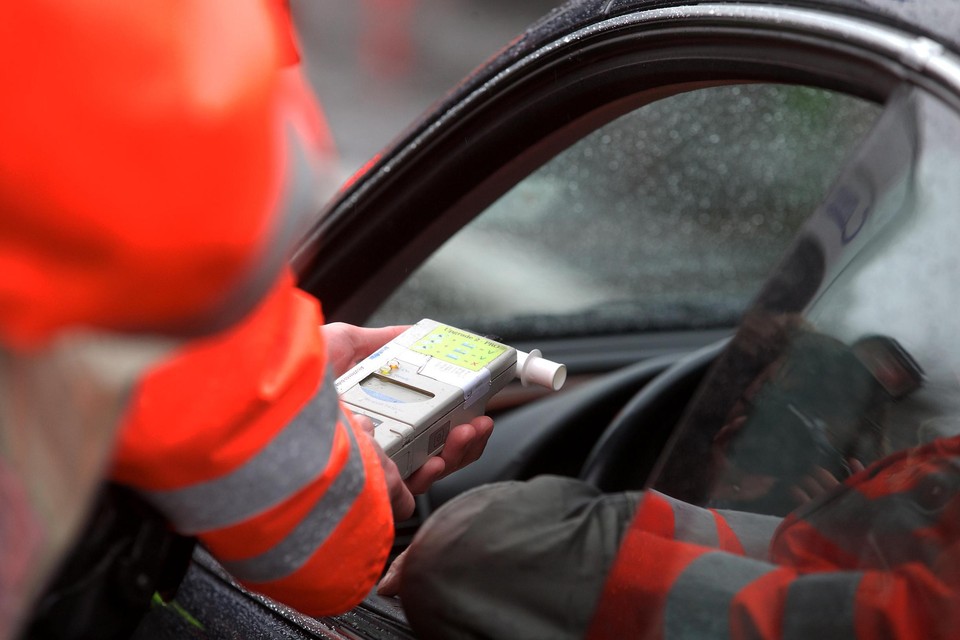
431, 377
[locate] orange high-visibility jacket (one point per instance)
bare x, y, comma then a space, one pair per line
148, 175
241, 440
879, 558
156, 166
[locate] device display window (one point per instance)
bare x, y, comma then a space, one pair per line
389, 391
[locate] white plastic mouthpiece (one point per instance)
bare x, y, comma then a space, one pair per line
533, 368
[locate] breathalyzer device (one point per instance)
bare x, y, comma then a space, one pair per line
433, 377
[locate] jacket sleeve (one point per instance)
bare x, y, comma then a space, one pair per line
877, 559
674, 590
241, 440
739, 532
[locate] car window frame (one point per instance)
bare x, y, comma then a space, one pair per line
603, 79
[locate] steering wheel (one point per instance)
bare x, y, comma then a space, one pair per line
624, 456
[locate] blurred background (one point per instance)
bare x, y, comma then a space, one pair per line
378, 64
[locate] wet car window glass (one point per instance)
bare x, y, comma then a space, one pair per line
848, 358
667, 218
827, 433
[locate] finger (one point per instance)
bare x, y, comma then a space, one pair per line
825, 479
340, 351
470, 440
422, 479
401, 499
457, 446
403, 505
365, 423
348, 344
484, 428
855, 465
365, 340
390, 583
465, 443
799, 495
810, 486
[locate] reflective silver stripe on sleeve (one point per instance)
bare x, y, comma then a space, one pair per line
292, 552
821, 606
693, 524
698, 605
292, 460
753, 530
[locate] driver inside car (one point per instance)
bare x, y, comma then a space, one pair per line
875, 556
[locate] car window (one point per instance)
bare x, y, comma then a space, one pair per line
849, 354
668, 217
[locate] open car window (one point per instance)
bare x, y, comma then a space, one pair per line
667, 218
848, 356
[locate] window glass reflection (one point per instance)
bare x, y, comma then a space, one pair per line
669, 217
